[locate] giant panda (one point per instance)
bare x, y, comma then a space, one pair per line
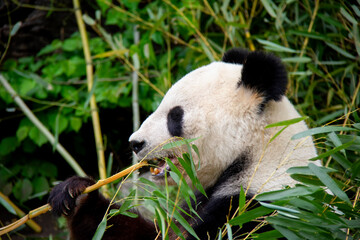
226, 105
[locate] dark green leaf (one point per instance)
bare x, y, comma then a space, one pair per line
7, 206
319, 130
287, 233
276, 207
329, 182
287, 193
332, 151
306, 171
269, 235
100, 230
250, 215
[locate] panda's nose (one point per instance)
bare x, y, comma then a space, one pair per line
136, 146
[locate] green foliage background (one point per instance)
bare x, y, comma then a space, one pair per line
317, 40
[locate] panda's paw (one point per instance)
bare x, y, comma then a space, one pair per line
63, 197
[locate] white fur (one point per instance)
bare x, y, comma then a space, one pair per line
226, 119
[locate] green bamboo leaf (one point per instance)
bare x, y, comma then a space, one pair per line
288, 215
277, 134
297, 59
332, 151
313, 35
287, 233
339, 158
307, 179
100, 230
160, 217
229, 231
306, 171
333, 63
287, 122
185, 224
329, 182
340, 50
242, 200
220, 235
7, 206
301, 73
356, 38
281, 208
336, 141
348, 16
269, 235
176, 230
356, 125
276, 47
250, 215
319, 130
287, 193
351, 138
269, 8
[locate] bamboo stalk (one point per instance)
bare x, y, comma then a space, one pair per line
90, 81
135, 102
45, 208
65, 154
32, 224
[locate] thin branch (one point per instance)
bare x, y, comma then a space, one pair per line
41, 127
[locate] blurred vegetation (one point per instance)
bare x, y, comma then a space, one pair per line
317, 40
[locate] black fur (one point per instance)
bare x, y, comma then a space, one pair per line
235, 55
238, 165
175, 121
265, 74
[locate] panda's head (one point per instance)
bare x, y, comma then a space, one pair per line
224, 104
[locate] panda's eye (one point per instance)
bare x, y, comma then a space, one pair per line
175, 121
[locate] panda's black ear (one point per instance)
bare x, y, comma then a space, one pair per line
265, 74
235, 55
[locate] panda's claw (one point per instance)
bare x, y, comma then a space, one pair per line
70, 191
63, 197
66, 205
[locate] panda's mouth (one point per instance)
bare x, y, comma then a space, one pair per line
160, 167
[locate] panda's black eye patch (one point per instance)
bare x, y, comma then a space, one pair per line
175, 121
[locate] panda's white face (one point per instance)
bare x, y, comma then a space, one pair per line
206, 103
226, 105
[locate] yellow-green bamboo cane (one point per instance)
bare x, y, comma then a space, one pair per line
90, 83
